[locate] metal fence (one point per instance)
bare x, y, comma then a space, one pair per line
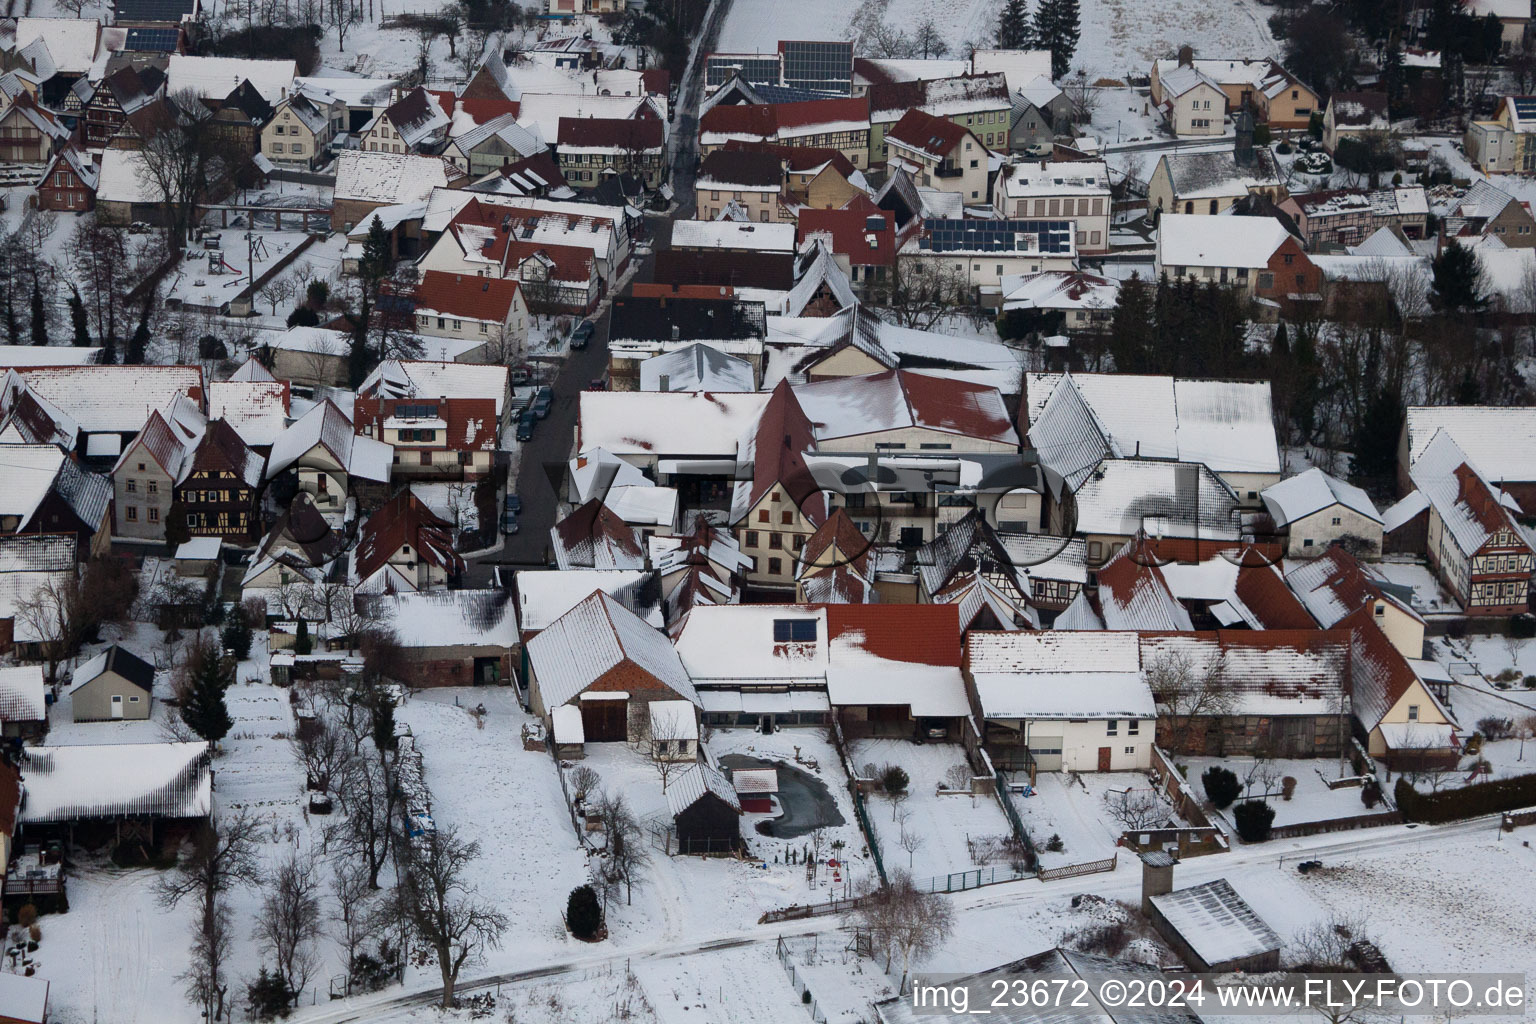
869, 831
973, 878
807, 997
1091, 867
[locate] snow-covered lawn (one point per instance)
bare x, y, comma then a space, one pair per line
1072, 806
199, 280
1312, 800
1429, 597
943, 824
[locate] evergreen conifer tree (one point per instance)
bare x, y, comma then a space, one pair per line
202, 706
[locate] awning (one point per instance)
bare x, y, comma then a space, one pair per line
697, 467
717, 701
606, 695
103, 446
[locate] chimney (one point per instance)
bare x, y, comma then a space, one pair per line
1156, 876
1242, 152
665, 381
676, 333
1186, 57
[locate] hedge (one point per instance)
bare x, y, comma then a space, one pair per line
1465, 802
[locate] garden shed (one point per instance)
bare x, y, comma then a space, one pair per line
705, 811
755, 788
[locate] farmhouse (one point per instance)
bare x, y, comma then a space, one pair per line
1317, 510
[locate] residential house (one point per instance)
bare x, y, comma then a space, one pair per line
840, 124
115, 684
699, 569
594, 536
1078, 420
1474, 544
1514, 17
1121, 498
1489, 211
642, 328
68, 184
29, 133
146, 474
1347, 217
494, 143
730, 236
1317, 511
1504, 145
978, 103
239, 118
426, 380
1336, 584
1076, 191
1352, 114
302, 128
696, 367
1061, 701
1039, 109
966, 552
449, 637
329, 459
1255, 255
48, 492
1210, 183
1191, 102
595, 149
108, 404
489, 310
1276, 96
404, 546
609, 663
450, 438
415, 122
758, 665
862, 242
777, 508
23, 704
254, 402
219, 486
537, 176
366, 181
1075, 301
939, 154
753, 179
893, 670
301, 545
567, 8
1500, 440
972, 257
823, 179
1403, 721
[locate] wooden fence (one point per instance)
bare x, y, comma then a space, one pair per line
1091, 867
799, 912
1312, 828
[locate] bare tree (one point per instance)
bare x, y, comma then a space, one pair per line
443, 910
911, 839
1325, 945
1082, 96
887, 42
323, 753
928, 40
204, 977
924, 291
183, 158
277, 291
367, 789
670, 734
583, 782
1189, 694
1136, 809
354, 916
626, 855
904, 923
76, 7
289, 920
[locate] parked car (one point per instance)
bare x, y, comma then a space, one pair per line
542, 401
597, 384
514, 504
509, 522
525, 424
521, 374
581, 335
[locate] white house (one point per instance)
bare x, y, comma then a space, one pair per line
1316, 509
1193, 103
1077, 191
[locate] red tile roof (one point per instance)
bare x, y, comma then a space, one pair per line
471, 422
798, 158
467, 296
851, 237
404, 519
1262, 589
955, 405
935, 136
809, 112
483, 110
841, 531
618, 133
921, 634
742, 119
782, 436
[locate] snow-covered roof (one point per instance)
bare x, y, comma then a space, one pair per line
1309, 492
1059, 675
354, 92
1164, 498
1194, 240
666, 423
423, 378
25, 998
388, 178
1404, 510
1183, 78
257, 410
30, 471
199, 548
594, 637
448, 618
868, 665
735, 644
1060, 289
1336, 584
1515, 10
113, 399
903, 399
1018, 66
1052, 178
718, 234
543, 596
566, 720
125, 178
71, 42
1501, 440
21, 694
1470, 508
1216, 922
327, 426
506, 128
1270, 671
698, 367
542, 111
673, 720
216, 77
116, 780
689, 786
23, 356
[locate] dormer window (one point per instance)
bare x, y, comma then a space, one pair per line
794, 631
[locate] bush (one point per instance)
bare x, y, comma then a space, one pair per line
1522, 627
1495, 728
1261, 135
303, 316
1287, 787
237, 637
894, 779
372, 972
27, 915
1529, 682
268, 995
1253, 818
1284, 149
210, 347
1480, 798
1054, 844
583, 913
1397, 179
1221, 786
1370, 793
318, 294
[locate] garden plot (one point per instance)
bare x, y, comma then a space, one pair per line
941, 826
1073, 807
736, 986
203, 280
1312, 800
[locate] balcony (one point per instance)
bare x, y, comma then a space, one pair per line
947, 171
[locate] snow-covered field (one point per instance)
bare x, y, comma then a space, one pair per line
1312, 800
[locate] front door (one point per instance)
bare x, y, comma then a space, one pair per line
1103, 759
117, 705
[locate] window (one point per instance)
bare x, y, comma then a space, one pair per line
485, 328
751, 538
1336, 520
117, 698
1381, 610
154, 515
131, 514
1112, 727
1307, 543
131, 486
775, 567
1413, 712
762, 515
1130, 750
133, 700
786, 517
1132, 726
776, 541
794, 631
1266, 281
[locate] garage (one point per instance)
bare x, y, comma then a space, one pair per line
604, 717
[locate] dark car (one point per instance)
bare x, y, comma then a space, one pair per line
520, 374
514, 504
581, 335
525, 424
542, 401
597, 384
509, 522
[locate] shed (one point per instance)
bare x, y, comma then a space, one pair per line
1214, 929
570, 737
705, 811
116, 684
23, 1000
23, 706
198, 556
755, 788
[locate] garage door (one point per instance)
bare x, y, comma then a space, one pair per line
1046, 751
603, 721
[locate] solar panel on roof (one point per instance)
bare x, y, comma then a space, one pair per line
159, 40
154, 10
1525, 106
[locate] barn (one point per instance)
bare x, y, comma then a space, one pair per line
755, 788
1209, 925
705, 811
